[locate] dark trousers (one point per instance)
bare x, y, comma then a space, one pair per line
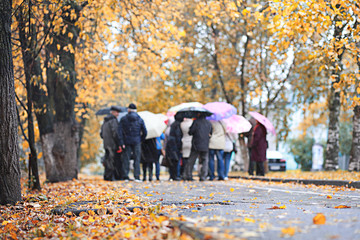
119, 170
109, 161
136, 150
173, 168
260, 171
145, 167
182, 166
203, 160
157, 166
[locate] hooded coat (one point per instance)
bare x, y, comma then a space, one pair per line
109, 132
149, 152
132, 129
201, 131
174, 144
258, 144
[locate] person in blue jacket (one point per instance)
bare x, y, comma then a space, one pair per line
160, 151
132, 132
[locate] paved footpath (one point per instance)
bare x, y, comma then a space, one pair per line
246, 209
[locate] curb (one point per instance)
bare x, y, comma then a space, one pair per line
194, 232
338, 183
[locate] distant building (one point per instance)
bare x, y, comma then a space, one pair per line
317, 157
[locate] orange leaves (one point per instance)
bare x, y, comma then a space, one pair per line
342, 206
249, 220
276, 207
319, 219
35, 219
289, 231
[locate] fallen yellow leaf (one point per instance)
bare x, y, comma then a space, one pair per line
290, 231
328, 196
249, 220
342, 206
232, 189
319, 219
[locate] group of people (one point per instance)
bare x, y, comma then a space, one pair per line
184, 141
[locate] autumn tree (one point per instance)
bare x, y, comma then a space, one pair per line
48, 36
328, 27
30, 49
10, 188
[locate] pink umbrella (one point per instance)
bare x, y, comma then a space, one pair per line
264, 121
237, 124
220, 110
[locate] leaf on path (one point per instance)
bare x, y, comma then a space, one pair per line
289, 231
249, 220
329, 196
276, 207
319, 219
232, 189
342, 206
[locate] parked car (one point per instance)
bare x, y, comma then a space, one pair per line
276, 161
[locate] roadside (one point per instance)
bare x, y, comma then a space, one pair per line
339, 178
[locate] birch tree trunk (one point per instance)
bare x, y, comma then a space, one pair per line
332, 147
354, 164
10, 188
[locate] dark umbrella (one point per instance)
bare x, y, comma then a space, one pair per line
106, 111
192, 112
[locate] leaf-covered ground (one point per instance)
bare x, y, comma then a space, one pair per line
111, 210
328, 175
33, 217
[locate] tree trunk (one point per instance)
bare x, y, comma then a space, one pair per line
354, 164
332, 147
241, 157
60, 152
244, 154
59, 132
10, 187
27, 36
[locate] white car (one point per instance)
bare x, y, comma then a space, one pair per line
276, 161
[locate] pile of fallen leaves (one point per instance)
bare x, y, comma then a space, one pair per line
318, 175
108, 212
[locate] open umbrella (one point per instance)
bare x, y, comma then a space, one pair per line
154, 123
221, 110
192, 112
106, 110
236, 124
264, 121
173, 110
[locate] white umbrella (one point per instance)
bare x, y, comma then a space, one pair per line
173, 110
154, 123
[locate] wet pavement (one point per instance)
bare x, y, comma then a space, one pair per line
248, 209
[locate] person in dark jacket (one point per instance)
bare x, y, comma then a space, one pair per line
173, 148
132, 132
201, 131
110, 138
149, 156
258, 149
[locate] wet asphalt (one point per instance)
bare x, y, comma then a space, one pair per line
250, 209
